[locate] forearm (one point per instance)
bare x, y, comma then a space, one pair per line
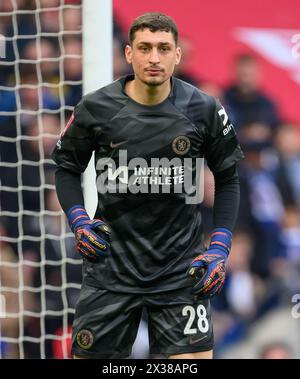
68, 188
208, 269
92, 236
227, 198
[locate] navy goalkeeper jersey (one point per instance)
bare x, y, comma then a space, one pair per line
144, 156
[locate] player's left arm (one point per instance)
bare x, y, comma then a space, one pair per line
223, 151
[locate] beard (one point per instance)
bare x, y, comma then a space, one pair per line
154, 81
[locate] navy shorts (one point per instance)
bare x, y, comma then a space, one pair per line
106, 323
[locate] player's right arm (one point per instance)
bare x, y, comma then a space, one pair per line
72, 154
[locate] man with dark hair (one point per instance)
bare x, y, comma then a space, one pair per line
144, 247
244, 100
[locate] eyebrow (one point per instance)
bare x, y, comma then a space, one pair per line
150, 44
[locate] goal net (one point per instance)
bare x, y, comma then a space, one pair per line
40, 82
48, 60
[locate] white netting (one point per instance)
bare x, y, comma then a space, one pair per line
40, 82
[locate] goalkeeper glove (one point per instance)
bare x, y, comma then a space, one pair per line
208, 269
92, 236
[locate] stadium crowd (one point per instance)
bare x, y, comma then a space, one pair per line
40, 273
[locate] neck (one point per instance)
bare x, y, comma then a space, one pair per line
147, 94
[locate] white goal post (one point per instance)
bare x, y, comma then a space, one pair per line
97, 70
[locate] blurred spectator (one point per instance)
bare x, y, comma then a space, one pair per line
243, 290
181, 70
11, 280
57, 249
43, 134
6, 20
244, 101
276, 350
290, 235
48, 256
121, 67
285, 268
35, 171
6, 6
49, 19
60, 295
262, 203
57, 273
71, 19
41, 55
34, 93
256, 131
62, 346
26, 27
7, 104
72, 65
50, 3
212, 89
287, 142
238, 303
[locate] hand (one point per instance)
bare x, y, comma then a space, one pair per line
93, 239
92, 236
208, 269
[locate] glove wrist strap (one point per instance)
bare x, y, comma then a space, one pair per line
76, 216
221, 238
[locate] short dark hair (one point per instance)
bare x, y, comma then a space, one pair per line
153, 21
245, 58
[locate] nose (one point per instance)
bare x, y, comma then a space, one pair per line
154, 56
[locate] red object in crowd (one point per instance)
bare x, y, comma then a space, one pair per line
59, 346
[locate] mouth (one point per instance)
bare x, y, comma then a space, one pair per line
153, 71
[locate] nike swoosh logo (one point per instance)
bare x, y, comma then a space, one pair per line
115, 145
191, 341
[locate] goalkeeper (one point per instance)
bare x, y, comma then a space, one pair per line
145, 248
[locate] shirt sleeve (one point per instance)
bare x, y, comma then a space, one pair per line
74, 149
222, 147
68, 188
227, 198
